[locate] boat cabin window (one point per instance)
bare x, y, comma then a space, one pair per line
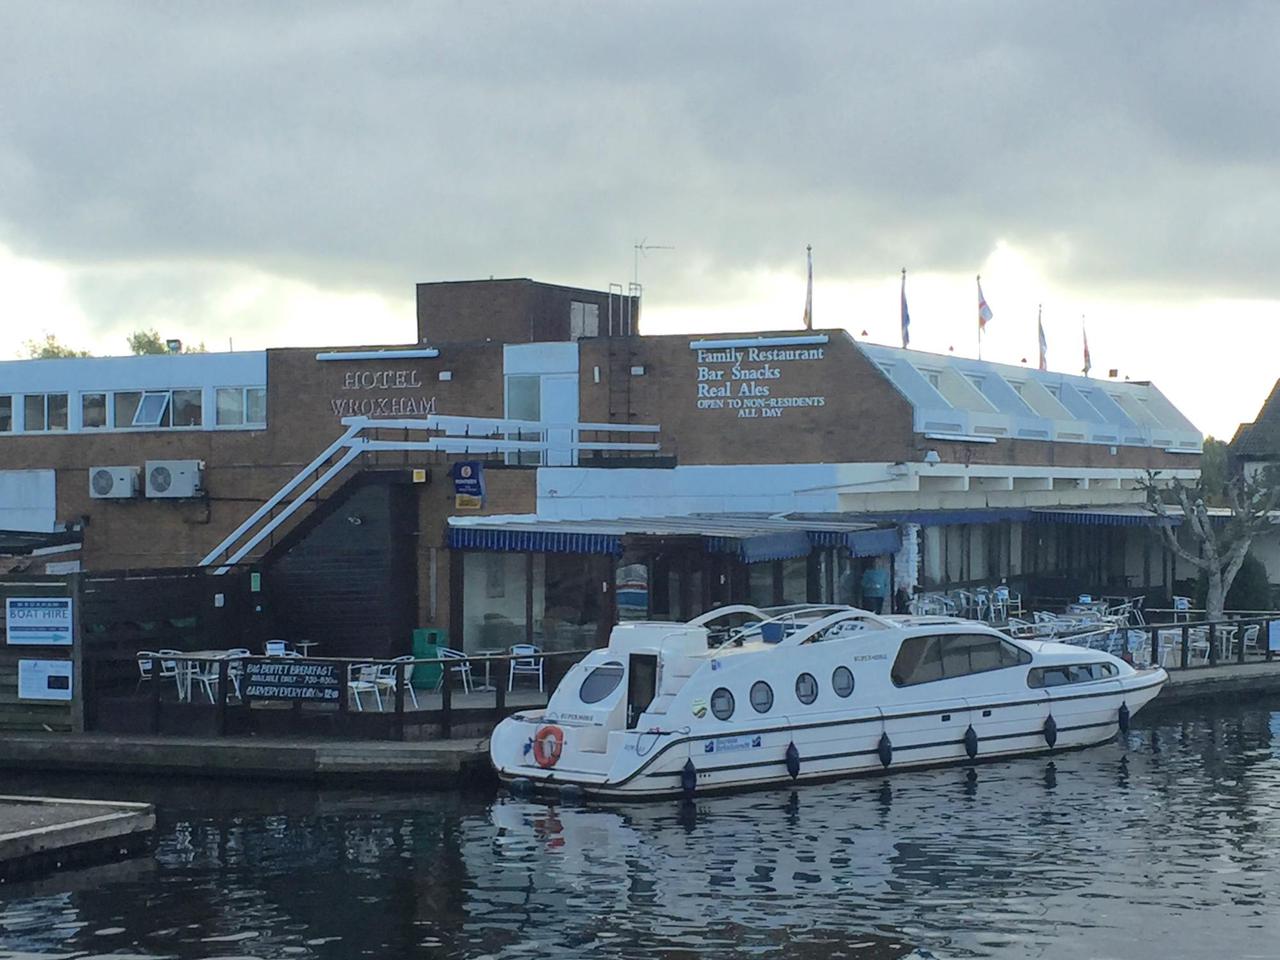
806, 688
761, 697
722, 703
1070, 673
842, 681
600, 682
925, 659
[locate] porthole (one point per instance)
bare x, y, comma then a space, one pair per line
842, 681
806, 688
600, 682
761, 697
722, 704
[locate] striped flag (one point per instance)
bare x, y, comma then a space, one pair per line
1088, 363
808, 297
1044, 344
906, 317
984, 311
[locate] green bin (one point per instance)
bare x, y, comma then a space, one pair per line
426, 646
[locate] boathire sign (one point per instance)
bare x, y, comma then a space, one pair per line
752, 380
38, 621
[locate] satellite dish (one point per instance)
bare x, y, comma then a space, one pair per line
161, 479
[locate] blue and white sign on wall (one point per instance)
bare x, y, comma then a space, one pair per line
468, 485
38, 621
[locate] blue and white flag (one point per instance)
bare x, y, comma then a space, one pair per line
906, 317
1044, 344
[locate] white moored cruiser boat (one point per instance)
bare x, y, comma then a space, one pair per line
809, 693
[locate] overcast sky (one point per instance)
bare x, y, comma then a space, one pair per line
277, 173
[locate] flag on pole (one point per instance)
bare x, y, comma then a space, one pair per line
984, 311
808, 297
1088, 364
1044, 344
906, 317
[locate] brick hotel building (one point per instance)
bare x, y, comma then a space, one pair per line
610, 474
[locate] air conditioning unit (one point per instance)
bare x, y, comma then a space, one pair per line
175, 478
113, 483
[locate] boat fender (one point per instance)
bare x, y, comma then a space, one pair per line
793, 760
548, 744
971, 742
1123, 718
688, 777
1050, 731
520, 786
885, 750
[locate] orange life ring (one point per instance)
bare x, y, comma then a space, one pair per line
548, 743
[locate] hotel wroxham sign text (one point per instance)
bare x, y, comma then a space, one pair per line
382, 393
750, 380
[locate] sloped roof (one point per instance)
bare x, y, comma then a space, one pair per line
1260, 439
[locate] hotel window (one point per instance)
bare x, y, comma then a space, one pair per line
159, 409
239, 406
126, 405
934, 377
6, 414
44, 412
1017, 386
524, 402
93, 410
584, 320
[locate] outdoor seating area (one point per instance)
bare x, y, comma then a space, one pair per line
196, 676
994, 604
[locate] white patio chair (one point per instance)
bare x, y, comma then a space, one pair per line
1250, 639
386, 679
146, 667
235, 669
527, 663
362, 678
175, 670
205, 673
462, 667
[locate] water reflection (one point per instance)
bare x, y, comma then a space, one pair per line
1163, 845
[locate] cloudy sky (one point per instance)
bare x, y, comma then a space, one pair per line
277, 173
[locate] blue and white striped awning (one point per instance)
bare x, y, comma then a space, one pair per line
516, 540
751, 538
861, 543
1127, 516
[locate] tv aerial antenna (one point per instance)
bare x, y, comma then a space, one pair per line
640, 251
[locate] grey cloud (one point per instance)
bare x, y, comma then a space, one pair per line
380, 144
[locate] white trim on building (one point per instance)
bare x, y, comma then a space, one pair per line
110, 394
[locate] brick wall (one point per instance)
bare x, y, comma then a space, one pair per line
504, 311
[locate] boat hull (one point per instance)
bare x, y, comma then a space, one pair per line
860, 741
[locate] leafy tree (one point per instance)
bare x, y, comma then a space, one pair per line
148, 343
1223, 546
50, 349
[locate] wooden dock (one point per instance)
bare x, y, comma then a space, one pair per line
427, 764
1226, 680
38, 834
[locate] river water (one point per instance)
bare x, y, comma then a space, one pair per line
1165, 845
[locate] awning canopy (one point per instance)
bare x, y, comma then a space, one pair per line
752, 538
1123, 515
23, 542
